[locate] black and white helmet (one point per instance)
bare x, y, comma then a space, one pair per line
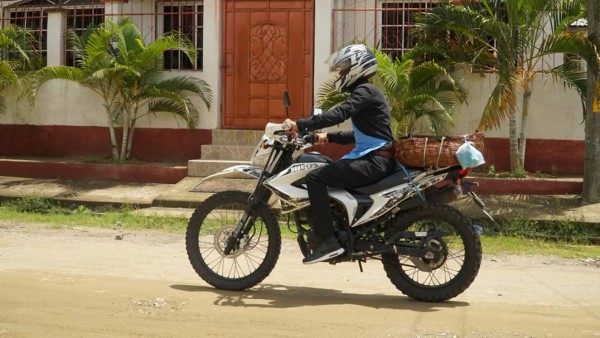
354, 62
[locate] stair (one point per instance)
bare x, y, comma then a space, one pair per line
229, 147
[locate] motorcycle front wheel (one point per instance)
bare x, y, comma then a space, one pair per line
450, 267
253, 256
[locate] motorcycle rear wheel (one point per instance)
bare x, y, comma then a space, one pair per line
208, 232
446, 274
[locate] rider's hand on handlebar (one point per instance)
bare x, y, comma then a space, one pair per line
321, 138
290, 126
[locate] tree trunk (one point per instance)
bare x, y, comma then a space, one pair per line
524, 118
113, 137
130, 142
591, 171
514, 142
125, 123
134, 118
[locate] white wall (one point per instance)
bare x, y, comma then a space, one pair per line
555, 111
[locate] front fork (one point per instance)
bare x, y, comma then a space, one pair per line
260, 195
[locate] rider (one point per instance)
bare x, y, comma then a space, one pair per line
371, 158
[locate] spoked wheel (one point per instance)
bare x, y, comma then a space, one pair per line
250, 259
451, 263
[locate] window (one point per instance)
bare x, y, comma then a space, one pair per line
396, 23
185, 17
33, 15
34, 19
78, 20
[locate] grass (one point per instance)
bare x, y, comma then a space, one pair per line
61, 217
521, 246
516, 237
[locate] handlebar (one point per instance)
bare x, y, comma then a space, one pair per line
280, 132
310, 138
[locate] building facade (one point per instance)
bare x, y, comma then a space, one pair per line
250, 52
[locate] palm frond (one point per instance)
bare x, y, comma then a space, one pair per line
573, 77
148, 57
7, 75
20, 45
183, 90
2, 104
328, 96
501, 103
565, 43
186, 111
59, 72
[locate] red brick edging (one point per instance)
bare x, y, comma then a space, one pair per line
143, 173
527, 186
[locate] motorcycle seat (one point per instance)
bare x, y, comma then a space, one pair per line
398, 177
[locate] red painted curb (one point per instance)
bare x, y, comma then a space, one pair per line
143, 173
170, 174
491, 186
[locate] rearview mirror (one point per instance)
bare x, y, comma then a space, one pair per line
286, 100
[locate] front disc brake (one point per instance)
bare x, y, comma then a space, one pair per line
222, 237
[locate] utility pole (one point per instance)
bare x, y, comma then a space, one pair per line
591, 171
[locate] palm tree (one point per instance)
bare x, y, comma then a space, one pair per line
17, 54
114, 62
419, 94
145, 91
513, 38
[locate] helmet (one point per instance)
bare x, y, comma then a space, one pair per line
354, 62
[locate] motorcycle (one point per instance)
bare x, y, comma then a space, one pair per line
430, 251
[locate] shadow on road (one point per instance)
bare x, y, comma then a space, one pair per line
280, 296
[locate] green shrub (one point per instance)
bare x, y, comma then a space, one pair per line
491, 171
518, 173
569, 231
35, 204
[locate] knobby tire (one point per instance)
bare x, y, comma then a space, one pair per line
210, 224
402, 275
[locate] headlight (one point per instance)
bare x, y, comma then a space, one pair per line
261, 152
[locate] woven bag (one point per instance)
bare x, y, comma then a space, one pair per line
430, 151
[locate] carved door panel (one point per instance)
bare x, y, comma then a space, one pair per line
267, 49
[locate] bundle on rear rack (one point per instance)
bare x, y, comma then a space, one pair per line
429, 151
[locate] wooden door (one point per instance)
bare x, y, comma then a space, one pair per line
267, 49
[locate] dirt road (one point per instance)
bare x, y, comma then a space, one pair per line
111, 283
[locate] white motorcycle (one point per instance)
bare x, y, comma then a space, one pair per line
430, 251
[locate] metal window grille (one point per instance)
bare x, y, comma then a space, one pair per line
397, 22
33, 15
33, 18
187, 18
79, 19
161, 17
383, 24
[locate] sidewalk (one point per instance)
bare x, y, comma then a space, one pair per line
163, 198
140, 195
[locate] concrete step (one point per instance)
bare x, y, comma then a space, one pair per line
227, 152
236, 137
229, 147
203, 168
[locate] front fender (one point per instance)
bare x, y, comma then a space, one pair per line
238, 171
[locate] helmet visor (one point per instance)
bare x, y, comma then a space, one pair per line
337, 62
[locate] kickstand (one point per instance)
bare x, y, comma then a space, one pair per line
360, 264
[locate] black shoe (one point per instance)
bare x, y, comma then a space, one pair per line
328, 248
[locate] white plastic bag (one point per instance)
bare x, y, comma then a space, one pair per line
468, 156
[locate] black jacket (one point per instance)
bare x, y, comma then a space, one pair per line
366, 106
